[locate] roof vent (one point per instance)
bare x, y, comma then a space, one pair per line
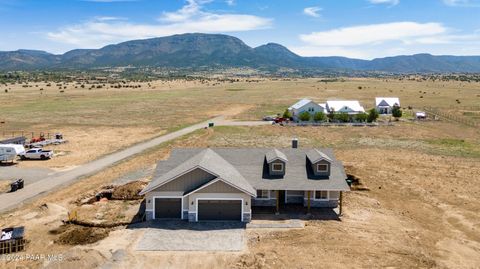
294, 143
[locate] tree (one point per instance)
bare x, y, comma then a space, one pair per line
396, 112
361, 117
304, 116
342, 117
372, 115
287, 114
319, 116
331, 115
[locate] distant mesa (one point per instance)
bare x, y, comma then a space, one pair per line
216, 51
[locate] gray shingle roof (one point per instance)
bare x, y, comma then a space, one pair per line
250, 164
207, 160
275, 154
314, 155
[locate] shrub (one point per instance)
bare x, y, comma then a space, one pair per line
319, 116
342, 117
287, 114
361, 117
304, 116
372, 115
396, 112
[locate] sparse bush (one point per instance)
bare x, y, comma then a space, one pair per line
319, 116
304, 116
361, 117
342, 117
372, 115
396, 112
287, 114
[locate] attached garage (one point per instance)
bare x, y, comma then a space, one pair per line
219, 210
168, 208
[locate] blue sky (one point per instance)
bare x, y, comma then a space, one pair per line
358, 28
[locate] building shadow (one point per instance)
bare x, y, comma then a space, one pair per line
289, 212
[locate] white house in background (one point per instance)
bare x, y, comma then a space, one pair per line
305, 105
350, 107
384, 105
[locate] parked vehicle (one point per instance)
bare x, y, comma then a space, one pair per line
280, 120
37, 154
9, 152
269, 118
16, 185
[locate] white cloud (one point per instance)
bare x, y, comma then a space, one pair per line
462, 3
388, 2
373, 33
190, 18
230, 2
312, 11
378, 40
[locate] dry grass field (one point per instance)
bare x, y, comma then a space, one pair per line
420, 209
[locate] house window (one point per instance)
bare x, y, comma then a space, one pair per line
311, 109
277, 167
263, 194
322, 167
321, 195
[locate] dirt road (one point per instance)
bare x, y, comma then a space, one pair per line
41, 187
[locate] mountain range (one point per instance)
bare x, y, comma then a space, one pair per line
216, 51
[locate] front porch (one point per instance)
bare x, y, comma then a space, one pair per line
294, 211
284, 205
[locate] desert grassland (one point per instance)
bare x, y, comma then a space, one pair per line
421, 209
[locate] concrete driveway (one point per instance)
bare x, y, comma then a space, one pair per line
184, 236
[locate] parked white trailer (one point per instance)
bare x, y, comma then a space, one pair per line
8, 152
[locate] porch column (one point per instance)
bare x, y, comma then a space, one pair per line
278, 202
341, 204
308, 201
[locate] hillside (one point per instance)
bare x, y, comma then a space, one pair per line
215, 51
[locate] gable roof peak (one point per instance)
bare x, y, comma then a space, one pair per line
275, 154
315, 155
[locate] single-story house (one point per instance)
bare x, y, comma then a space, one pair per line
350, 107
384, 105
229, 183
305, 105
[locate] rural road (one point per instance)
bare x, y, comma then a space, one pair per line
12, 200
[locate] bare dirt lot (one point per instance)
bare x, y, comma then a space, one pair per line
420, 209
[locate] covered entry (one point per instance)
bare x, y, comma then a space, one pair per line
219, 210
168, 208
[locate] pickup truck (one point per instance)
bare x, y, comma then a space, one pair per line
38, 154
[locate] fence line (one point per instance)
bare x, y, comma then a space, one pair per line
27, 134
450, 116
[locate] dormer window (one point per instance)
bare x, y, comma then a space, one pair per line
319, 163
275, 163
322, 168
277, 167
